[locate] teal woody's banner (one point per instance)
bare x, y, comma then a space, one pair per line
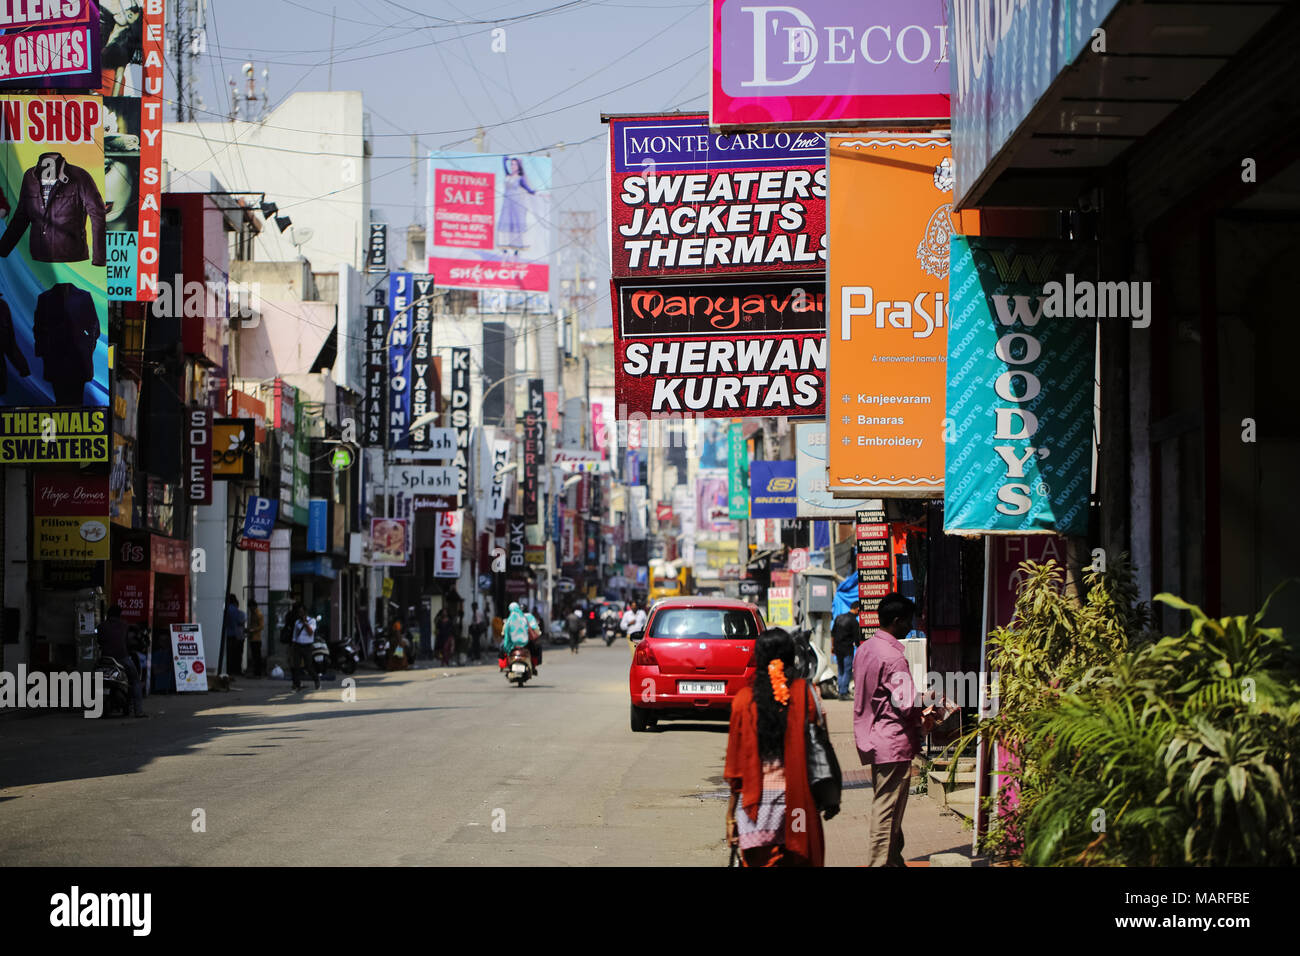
1019, 417
737, 474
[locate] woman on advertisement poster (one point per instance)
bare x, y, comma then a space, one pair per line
512, 226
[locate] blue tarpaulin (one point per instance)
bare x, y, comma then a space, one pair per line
845, 595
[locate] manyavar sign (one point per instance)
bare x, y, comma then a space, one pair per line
824, 63
722, 348
1020, 399
685, 200
887, 311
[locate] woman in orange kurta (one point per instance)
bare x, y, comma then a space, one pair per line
771, 816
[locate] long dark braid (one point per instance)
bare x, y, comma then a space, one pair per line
774, 644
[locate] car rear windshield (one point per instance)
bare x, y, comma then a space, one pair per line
703, 623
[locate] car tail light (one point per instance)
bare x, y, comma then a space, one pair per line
644, 656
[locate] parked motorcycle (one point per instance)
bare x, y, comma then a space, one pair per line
116, 687
346, 654
382, 648
519, 666
817, 667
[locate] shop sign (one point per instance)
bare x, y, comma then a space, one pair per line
389, 542
446, 544
737, 473
772, 489
198, 441
827, 63
53, 435
259, 522
517, 537
377, 253
534, 448
246, 406
318, 510
376, 376
279, 564
1020, 397
886, 309
70, 517
460, 414
168, 555
187, 653
133, 593
815, 501
233, 451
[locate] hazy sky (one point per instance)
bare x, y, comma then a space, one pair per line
427, 67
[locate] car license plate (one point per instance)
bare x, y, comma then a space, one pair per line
518, 668
701, 687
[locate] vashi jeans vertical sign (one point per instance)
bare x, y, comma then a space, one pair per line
1020, 396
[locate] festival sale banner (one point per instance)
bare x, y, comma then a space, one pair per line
490, 221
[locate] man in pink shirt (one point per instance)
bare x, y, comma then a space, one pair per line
887, 726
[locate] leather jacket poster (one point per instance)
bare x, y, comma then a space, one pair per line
53, 302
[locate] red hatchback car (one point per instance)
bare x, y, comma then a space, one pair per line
695, 654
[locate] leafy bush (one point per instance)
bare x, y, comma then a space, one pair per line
1137, 751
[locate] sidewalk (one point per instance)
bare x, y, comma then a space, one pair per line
927, 827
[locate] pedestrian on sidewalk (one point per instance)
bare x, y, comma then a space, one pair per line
576, 628
446, 638
887, 726
304, 636
477, 628
426, 631
113, 643
772, 816
234, 628
846, 635
254, 633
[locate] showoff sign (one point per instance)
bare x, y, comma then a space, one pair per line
1020, 390
825, 63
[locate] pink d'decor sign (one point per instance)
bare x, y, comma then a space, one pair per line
823, 63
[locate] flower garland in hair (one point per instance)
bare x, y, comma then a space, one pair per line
780, 689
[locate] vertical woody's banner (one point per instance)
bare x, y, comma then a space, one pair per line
53, 309
132, 84
1020, 387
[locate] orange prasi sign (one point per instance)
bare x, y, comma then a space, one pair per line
889, 219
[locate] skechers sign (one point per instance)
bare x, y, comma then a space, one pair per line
829, 62
773, 489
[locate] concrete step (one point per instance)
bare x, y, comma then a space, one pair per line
963, 764
963, 802
939, 778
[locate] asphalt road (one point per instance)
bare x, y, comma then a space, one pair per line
430, 767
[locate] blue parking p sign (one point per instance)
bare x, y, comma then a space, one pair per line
259, 521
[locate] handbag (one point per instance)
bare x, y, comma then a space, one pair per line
824, 777
735, 857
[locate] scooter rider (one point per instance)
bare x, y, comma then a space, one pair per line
515, 633
534, 638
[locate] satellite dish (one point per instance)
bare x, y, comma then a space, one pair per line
301, 235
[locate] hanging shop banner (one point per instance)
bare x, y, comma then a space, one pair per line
815, 500
50, 45
246, 406
53, 315
280, 560
503, 470
375, 404
573, 461
198, 466
737, 473
187, 653
412, 480
827, 63
517, 553
534, 448
490, 221
460, 415
301, 464
318, 512
234, 449
390, 542
712, 509
887, 314
1020, 392
687, 201
723, 348
377, 251
259, 522
446, 544
1005, 578
412, 379
1005, 56
132, 58
285, 405
772, 489
70, 517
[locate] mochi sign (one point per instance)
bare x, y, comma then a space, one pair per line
1019, 407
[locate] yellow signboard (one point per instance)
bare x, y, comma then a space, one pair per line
71, 538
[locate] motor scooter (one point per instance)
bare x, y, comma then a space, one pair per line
815, 666
116, 687
346, 654
519, 666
